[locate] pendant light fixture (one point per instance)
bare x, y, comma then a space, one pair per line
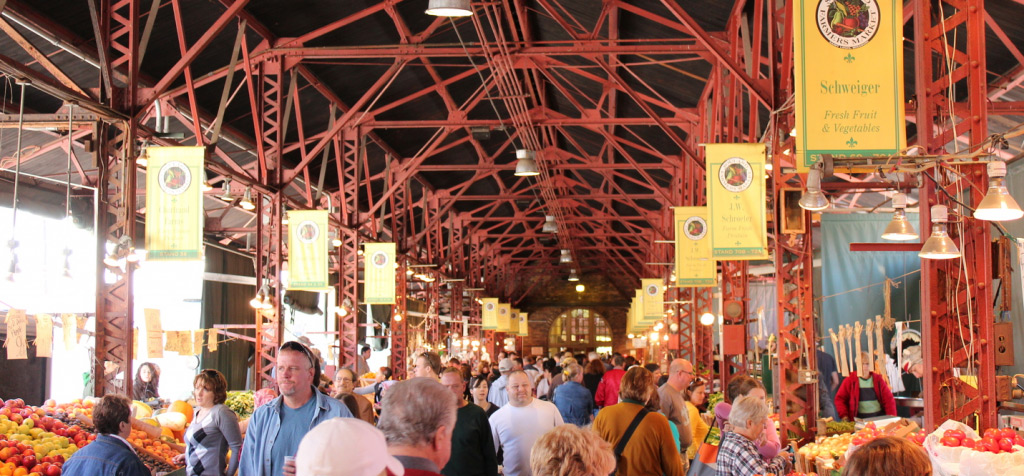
997, 205
550, 226
813, 199
939, 245
707, 318
573, 276
526, 165
257, 301
566, 257
449, 8
899, 229
12, 244
225, 190
246, 202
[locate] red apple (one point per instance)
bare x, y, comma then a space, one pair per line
52, 471
29, 461
58, 458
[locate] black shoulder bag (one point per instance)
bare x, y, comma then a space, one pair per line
629, 434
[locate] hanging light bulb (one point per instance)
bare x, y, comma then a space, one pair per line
813, 199
573, 276
566, 257
449, 8
257, 301
580, 288
398, 316
899, 229
336, 241
997, 205
939, 245
225, 190
13, 269
143, 159
550, 226
67, 263
707, 318
246, 202
526, 166
284, 214
268, 301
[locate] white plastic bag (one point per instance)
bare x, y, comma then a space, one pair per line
946, 460
977, 463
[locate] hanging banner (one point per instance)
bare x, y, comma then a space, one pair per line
17, 337
524, 326
489, 314
69, 324
848, 72
307, 250
513, 322
654, 298
379, 273
504, 313
174, 203
736, 201
694, 265
154, 334
44, 335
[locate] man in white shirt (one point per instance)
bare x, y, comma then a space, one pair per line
516, 426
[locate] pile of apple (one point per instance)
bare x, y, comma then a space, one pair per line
35, 444
994, 440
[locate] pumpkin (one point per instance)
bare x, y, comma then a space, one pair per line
167, 432
173, 420
142, 410
184, 408
150, 421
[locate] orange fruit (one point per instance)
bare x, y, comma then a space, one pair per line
20, 471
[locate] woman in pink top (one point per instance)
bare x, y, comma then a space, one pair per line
768, 444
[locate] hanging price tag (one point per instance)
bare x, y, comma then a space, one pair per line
16, 338
211, 340
44, 335
154, 334
197, 341
70, 327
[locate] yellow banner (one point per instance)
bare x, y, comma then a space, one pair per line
736, 201
379, 273
694, 265
642, 318
504, 314
174, 203
654, 297
307, 250
513, 322
848, 71
489, 314
524, 324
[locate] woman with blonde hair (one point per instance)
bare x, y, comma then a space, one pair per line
569, 450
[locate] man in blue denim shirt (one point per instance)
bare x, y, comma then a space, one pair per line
276, 428
573, 400
110, 454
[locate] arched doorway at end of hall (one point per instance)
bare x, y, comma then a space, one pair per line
580, 331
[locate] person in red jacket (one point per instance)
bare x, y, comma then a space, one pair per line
608, 389
864, 397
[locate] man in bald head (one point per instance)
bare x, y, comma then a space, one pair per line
673, 404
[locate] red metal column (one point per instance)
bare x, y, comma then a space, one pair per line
349, 162
399, 326
118, 25
956, 300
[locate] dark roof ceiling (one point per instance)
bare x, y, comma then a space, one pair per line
665, 75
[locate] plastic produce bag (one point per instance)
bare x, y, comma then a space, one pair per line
946, 460
977, 463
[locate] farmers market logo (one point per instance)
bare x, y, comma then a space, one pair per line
695, 228
308, 231
848, 24
503, 311
735, 174
175, 178
490, 306
652, 290
380, 259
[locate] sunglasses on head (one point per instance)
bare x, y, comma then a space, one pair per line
697, 382
297, 347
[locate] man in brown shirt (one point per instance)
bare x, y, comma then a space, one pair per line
673, 405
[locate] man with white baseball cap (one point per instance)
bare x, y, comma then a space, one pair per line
345, 446
498, 396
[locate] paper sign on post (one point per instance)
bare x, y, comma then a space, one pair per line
17, 340
197, 341
44, 335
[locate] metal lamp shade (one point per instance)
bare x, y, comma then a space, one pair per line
939, 245
899, 229
449, 8
998, 205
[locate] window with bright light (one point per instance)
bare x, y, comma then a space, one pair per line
579, 330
